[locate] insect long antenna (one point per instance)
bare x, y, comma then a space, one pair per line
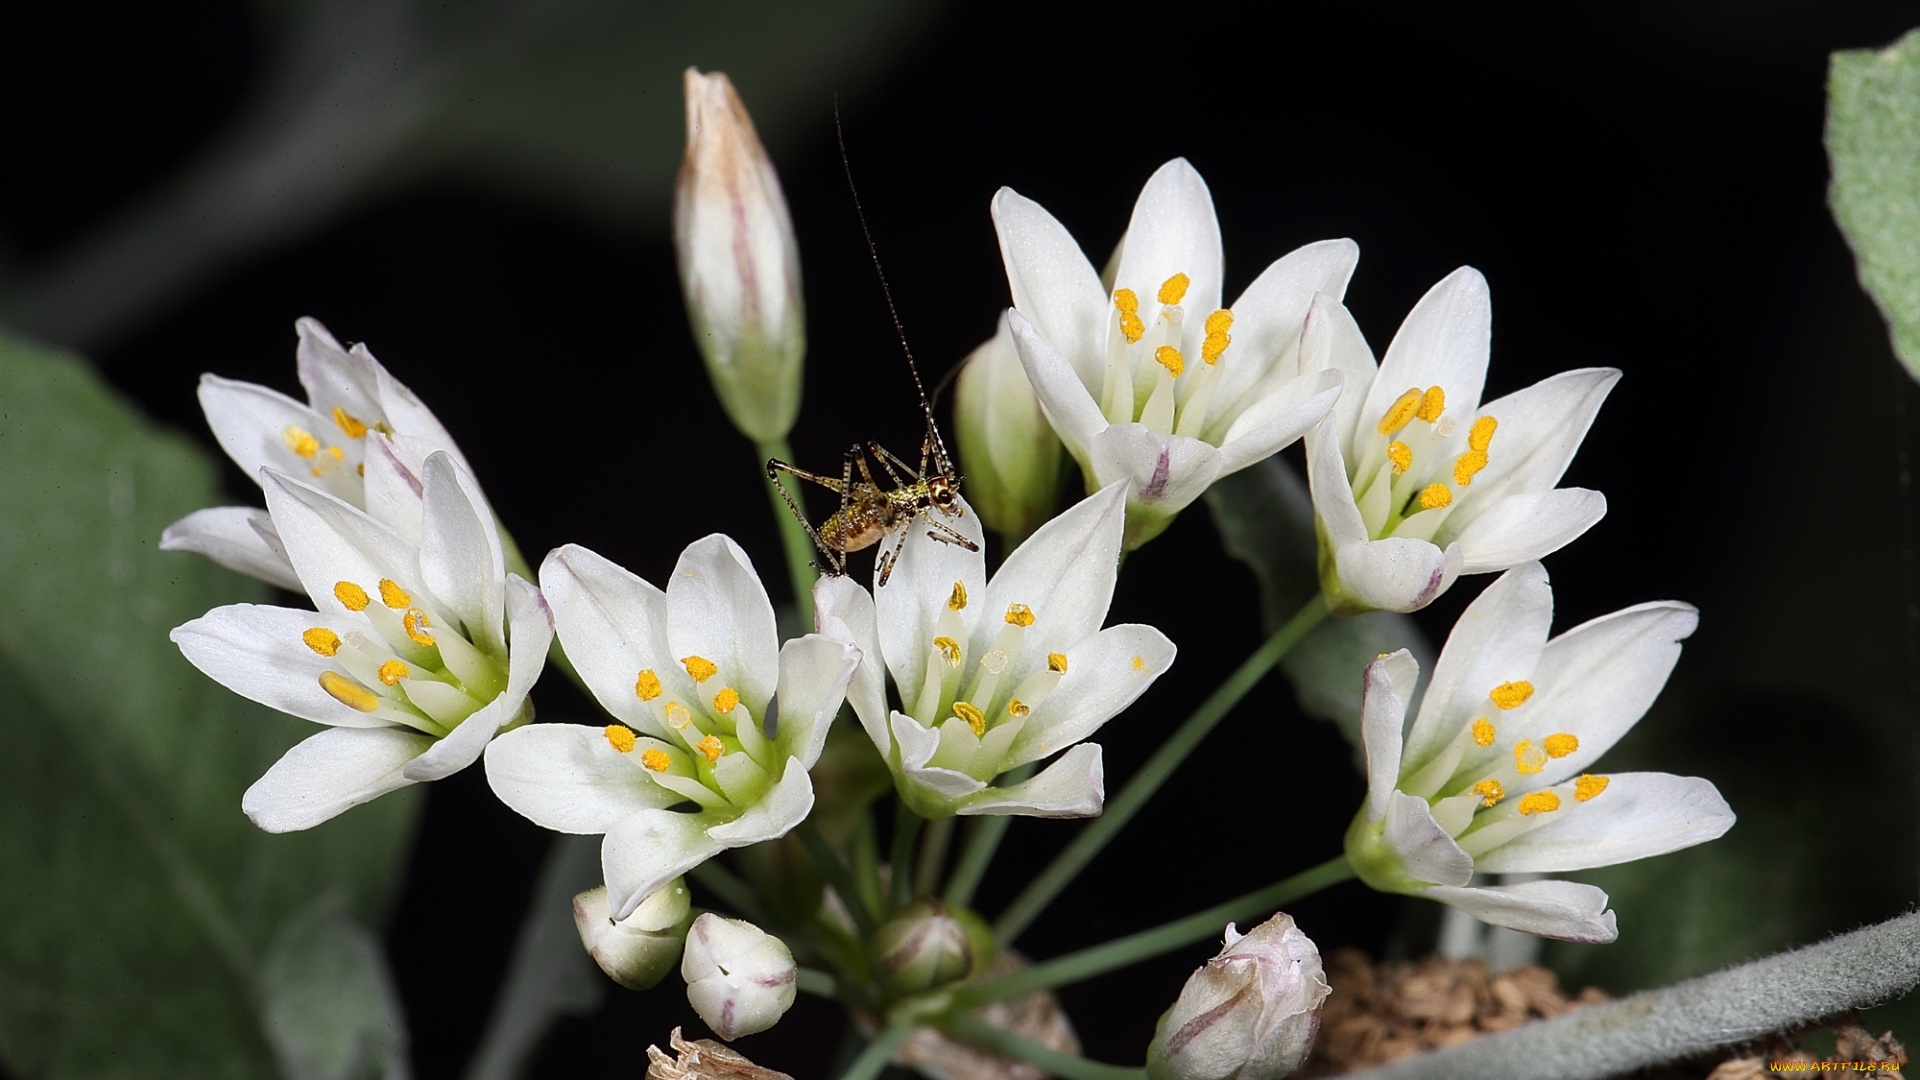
942, 462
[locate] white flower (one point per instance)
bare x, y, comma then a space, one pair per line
994, 675
416, 657
1009, 453
1249, 1013
713, 711
1491, 776
1135, 388
740, 979
639, 950
362, 437
1415, 482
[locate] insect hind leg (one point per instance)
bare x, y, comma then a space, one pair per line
836, 560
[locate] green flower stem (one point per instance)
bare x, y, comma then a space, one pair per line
794, 540
1166, 937
973, 1029
836, 874
906, 828
983, 839
880, 1051
1120, 809
732, 891
817, 983
866, 867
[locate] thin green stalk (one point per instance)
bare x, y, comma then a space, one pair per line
880, 1051
906, 828
794, 541
1166, 937
983, 839
933, 857
732, 891
1120, 809
817, 983
973, 1029
836, 874
866, 867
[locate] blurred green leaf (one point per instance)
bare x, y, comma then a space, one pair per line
136, 900
1265, 517
328, 1003
1873, 140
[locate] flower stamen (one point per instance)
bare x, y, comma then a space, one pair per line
726, 700
351, 596
1401, 455
957, 599
1511, 695
392, 595
1174, 289
349, 423
1490, 792
1169, 357
1483, 732
1432, 404
1480, 435
1019, 614
415, 623
1539, 802
1130, 324
1560, 745
711, 747
393, 671
621, 738
699, 667
1057, 662
1400, 413
1528, 759
975, 719
949, 650
647, 686
300, 441
1589, 785
321, 640
1016, 707
655, 759
349, 693
1436, 497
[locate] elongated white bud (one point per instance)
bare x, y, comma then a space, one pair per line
1008, 451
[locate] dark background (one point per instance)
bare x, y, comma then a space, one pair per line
1642, 184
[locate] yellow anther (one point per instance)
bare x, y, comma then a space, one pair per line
349, 423
678, 716
1432, 404
393, 671
1468, 464
1174, 289
1213, 346
647, 686
1019, 614
1436, 497
949, 650
957, 599
1482, 732
1560, 745
1126, 301
1016, 707
1588, 786
1129, 306
699, 667
1511, 695
415, 623
1401, 455
353, 596
329, 461
711, 747
300, 441
1140, 664
1539, 802
321, 640
1219, 322
1057, 662
1480, 435
1528, 759
971, 713
393, 595
1490, 792
1400, 413
725, 700
1169, 357
655, 758
621, 738
349, 693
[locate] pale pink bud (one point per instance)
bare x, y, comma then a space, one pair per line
1249, 1013
740, 979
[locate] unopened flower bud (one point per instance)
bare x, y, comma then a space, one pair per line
1249, 1013
739, 263
1008, 451
740, 979
639, 950
930, 944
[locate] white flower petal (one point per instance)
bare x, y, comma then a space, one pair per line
1637, 816
1053, 284
776, 812
814, 672
645, 851
917, 744
612, 625
1333, 501
569, 778
1497, 639
257, 652
1269, 315
1173, 231
411, 420
1065, 573
1384, 692
1332, 341
461, 560
718, 609
250, 422
1072, 787
1443, 342
1105, 673
1524, 526
1566, 910
844, 611
329, 542
1168, 471
1425, 849
1070, 408
1396, 574
328, 773
1596, 680
1278, 420
908, 606
240, 538
392, 489
333, 376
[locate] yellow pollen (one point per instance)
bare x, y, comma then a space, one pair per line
1169, 357
353, 596
1490, 792
655, 758
1219, 322
393, 595
957, 599
348, 423
1019, 614
1560, 745
1126, 301
1400, 413
975, 719
647, 686
725, 700
300, 441
949, 650
1401, 455
1130, 323
322, 640
349, 693
1016, 707
1140, 664
1174, 289
1539, 802
1528, 759
415, 623
1432, 404
711, 747
678, 716
621, 738
1436, 497
1467, 464
1588, 786
1057, 662
1213, 346
1482, 732
392, 672
699, 667
1480, 435
1511, 695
